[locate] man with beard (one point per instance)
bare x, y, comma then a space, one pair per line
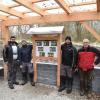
11, 57
26, 65
69, 57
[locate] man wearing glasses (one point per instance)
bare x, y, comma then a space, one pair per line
86, 63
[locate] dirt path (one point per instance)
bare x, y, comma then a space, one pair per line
39, 92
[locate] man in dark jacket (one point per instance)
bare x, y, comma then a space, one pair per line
69, 57
26, 65
86, 63
11, 56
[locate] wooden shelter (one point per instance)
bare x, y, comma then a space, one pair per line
46, 50
24, 12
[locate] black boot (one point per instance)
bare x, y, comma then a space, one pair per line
82, 87
24, 76
16, 83
70, 83
10, 85
31, 79
62, 83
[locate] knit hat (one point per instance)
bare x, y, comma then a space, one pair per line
23, 42
68, 38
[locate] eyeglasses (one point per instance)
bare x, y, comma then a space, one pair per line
13, 39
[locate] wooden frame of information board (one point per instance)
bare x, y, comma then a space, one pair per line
48, 37
57, 38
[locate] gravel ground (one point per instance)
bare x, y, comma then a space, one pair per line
39, 92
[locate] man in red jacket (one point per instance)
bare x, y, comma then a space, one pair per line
86, 63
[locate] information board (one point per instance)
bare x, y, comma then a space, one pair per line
46, 48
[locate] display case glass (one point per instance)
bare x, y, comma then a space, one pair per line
46, 48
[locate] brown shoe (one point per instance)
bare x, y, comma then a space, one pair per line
33, 83
69, 90
89, 96
24, 82
82, 93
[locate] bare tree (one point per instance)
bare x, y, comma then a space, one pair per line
78, 31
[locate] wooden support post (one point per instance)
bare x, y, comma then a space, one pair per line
34, 59
5, 38
58, 60
98, 5
91, 30
5, 33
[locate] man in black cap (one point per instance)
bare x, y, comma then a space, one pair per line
69, 57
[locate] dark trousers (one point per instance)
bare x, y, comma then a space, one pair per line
66, 76
86, 80
27, 68
12, 70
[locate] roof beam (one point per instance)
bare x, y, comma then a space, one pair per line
64, 6
98, 5
91, 30
12, 6
36, 1
10, 11
54, 18
3, 17
30, 6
